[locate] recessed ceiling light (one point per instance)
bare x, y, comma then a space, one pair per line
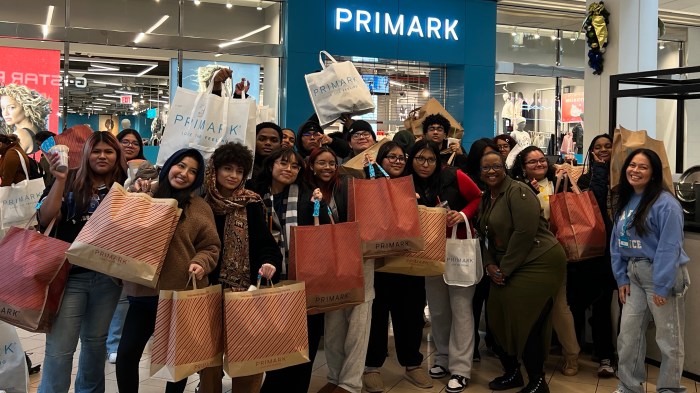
197, 2
229, 5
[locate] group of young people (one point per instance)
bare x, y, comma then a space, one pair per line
233, 229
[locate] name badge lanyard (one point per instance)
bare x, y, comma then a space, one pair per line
624, 231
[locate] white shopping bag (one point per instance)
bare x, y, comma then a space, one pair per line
338, 89
463, 266
14, 376
204, 121
18, 201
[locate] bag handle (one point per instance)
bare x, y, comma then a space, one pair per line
373, 174
48, 228
565, 176
317, 213
24, 165
469, 228
193, 280
270, 284
328, 55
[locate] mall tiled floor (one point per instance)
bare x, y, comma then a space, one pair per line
585, 382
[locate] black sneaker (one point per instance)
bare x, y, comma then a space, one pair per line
536, 385
510, 380
456, 384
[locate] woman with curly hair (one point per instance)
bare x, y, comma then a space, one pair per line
25, 112
531, 167
248, 249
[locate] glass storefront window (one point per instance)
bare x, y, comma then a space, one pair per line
531, 46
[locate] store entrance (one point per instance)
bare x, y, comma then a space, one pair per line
547, 108
397, 88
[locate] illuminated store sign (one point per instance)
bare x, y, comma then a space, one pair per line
388, 24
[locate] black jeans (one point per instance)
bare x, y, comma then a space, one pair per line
590, 283
481, 295
296, 379
403, 297
139, 325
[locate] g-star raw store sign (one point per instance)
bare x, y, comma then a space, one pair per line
384, 23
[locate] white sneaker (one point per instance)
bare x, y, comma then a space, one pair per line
112, 358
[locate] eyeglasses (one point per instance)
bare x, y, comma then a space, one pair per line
495, 167
542, 161
503, 147
439, 128
394, 158
422, 160
361, 134
326, 164
313, 134
127, 143
286, 164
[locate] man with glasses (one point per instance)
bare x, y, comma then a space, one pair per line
435, 129
361, 137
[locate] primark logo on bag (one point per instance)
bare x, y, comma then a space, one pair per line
30, 198
338, 86
204, 125
457, 261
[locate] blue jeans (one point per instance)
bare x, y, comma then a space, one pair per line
86, 310
117, 324
669, 320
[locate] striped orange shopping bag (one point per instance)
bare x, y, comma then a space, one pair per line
188, 335
265, 329
127, 236
429, 262
34, 274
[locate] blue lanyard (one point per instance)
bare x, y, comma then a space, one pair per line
626, 223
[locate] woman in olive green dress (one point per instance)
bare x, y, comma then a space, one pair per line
526, 266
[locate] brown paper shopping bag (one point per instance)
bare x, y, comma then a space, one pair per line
189, 332
429, 262
34, 274
625, 142
433, 107
127, 236
328, 259
387, 212
265, 329
355, 167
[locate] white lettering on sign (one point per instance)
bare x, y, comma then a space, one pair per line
428, 27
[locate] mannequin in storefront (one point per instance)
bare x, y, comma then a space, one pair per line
125, 123
24, 111
522, 140
507, 113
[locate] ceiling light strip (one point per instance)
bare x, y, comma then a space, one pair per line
244, 36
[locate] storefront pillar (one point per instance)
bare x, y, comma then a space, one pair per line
631, 48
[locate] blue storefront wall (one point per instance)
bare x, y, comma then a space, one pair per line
332, 25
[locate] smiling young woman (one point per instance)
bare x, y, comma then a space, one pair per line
526, 266
194, 249
649, 265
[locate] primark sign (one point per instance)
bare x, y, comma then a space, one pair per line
383, 23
